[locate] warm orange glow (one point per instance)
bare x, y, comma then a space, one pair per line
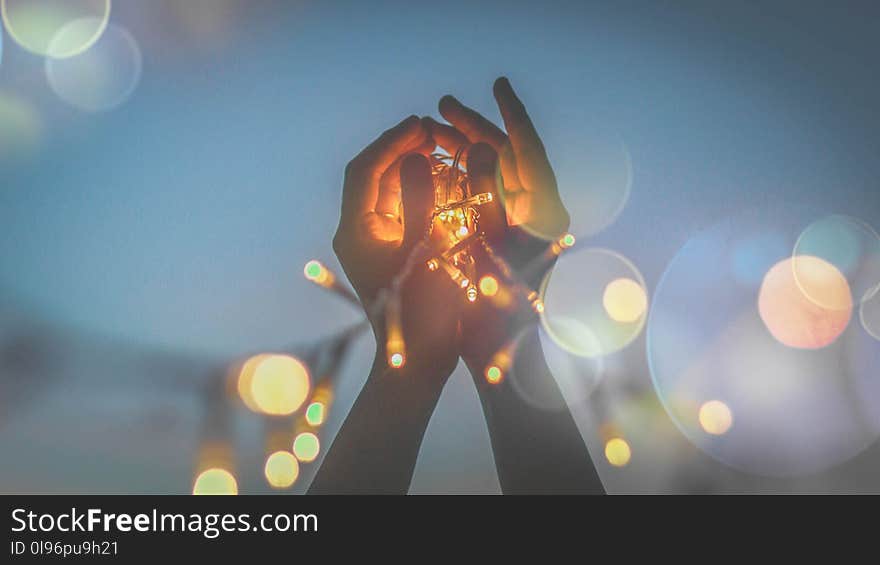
795, 320
395, 347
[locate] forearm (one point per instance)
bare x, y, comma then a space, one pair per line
536, 451
376, 449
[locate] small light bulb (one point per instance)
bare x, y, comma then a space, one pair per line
567, 241
315, 413
463, 231
472, 293
433, 265
396, 360
494, 375
318, 273
313, 269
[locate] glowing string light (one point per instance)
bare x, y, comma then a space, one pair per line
501, 362
318, 273
315, 413
395, 348
471, 293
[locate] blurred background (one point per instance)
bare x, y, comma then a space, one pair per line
169, 167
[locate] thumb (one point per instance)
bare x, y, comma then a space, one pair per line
417, 194
484, 175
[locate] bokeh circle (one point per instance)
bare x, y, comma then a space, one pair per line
595, 192
35, 24
574, 377
595, 302
101, 78
869, 315
852, 246
793, 411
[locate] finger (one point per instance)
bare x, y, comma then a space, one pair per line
361, 187
484, 175
533, 165
471, 123
446, 136
417, 192
479, 129
388, 202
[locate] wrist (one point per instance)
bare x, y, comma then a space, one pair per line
414, 385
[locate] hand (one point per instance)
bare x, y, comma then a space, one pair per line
520, 225
375, 241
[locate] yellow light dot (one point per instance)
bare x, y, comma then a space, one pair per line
282, 469
488, 286
432, 265
280, 385
494, 375
625, 300
617, 452
215, 481
396, 360
715, 417
306, 447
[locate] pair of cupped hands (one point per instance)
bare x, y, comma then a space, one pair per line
388, 202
